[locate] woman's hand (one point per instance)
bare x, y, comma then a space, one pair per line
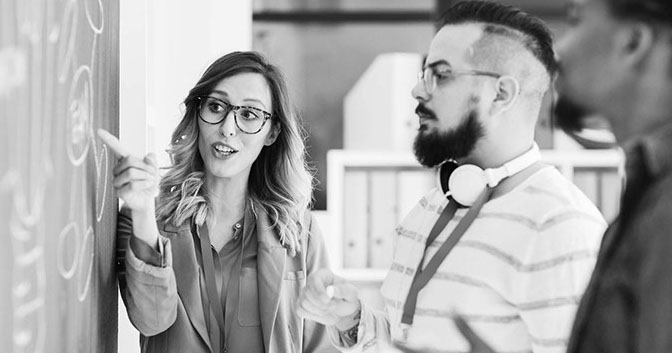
135, 180
137, 184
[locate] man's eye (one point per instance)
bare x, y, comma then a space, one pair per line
443, 75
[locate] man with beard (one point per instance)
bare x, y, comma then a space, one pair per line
515, 261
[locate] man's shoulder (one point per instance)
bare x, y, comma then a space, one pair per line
548, 194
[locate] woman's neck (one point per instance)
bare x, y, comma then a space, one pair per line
227, 198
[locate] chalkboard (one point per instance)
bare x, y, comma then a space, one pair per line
59, 82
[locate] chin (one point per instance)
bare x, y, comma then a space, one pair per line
227, 171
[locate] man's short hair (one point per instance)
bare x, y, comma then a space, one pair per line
508, 21
659, 11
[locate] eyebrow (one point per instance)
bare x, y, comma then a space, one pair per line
225, 95
437, 63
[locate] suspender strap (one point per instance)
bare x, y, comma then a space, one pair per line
214, 302
422, 276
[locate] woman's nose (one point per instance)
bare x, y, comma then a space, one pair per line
228, 126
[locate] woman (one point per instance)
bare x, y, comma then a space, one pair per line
216, 263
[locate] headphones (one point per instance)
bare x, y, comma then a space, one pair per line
464, 183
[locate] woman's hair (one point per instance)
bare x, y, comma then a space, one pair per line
280, 181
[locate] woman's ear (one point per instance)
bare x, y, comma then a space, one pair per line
508, 90
273, 135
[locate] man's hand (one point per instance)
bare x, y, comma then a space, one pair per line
329, 300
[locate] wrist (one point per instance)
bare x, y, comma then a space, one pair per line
348, 322
142, 206
348, 336
144, 226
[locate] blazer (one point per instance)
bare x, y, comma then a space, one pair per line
164, 303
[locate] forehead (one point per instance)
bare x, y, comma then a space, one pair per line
246, 87
455, 43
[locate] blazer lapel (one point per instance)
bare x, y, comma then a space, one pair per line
271, 257
187, 276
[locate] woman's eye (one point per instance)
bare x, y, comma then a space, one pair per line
248, 114
216, 108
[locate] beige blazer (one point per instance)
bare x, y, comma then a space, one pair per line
165, 305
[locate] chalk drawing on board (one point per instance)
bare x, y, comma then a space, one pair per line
29, 16
95, 15
87, 253
80, 107
27, 212
29, 257
28, 286
18, 230
13, 69
66, 44
68, 241
45, 58
101, 178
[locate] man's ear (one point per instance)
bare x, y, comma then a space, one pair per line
273, 135
508, 90
634, 42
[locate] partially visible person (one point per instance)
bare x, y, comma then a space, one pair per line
616, 60
217, 264
522, 263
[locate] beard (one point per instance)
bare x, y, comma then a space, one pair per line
569, 115
434, 147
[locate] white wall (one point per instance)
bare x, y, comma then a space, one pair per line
184, 37
165, 45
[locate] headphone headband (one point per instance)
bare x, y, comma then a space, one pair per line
467, 181
496, 175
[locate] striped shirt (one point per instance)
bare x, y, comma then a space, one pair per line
517, 274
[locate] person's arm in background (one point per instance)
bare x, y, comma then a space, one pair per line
146, 279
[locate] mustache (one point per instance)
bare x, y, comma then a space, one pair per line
422, 109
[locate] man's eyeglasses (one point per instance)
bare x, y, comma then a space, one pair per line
249, 120
431, 75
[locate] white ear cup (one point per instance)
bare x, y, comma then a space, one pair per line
466, 183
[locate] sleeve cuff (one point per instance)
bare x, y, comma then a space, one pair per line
341, 343
146, 253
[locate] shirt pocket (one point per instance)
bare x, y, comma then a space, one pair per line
248, 311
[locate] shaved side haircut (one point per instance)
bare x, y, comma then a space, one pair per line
509, 22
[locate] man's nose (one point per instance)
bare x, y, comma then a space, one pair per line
419, 92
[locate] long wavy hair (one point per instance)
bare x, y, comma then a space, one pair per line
280, 180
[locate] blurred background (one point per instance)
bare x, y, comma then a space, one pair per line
350, 66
